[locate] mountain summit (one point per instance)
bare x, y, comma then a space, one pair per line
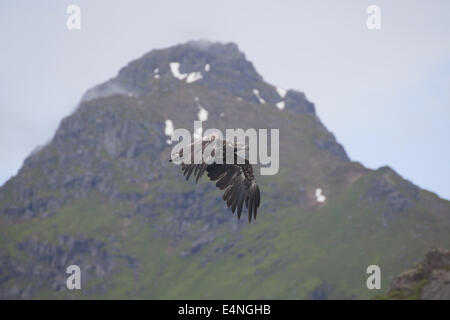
215, 66
102, 195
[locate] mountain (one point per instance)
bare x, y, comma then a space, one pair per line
429, 280
102, 195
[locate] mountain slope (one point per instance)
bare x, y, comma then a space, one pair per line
429, 280
102, 195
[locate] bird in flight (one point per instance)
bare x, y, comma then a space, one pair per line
238, 180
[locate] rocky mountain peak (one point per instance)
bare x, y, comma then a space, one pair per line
214, 65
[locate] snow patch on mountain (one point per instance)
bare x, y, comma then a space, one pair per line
168, 131
193, 76
280, 105
156, 73
202, 114
190, 77
282, 92
175, 69
319, 196
256, 93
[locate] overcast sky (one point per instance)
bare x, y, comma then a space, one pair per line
384, 93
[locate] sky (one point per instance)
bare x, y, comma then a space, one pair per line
384, 93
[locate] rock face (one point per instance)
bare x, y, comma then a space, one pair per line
430, 280
397, 199
102, 195
49, 260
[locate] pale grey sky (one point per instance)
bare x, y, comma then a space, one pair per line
384, 93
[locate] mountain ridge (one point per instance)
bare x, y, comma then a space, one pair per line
228, 61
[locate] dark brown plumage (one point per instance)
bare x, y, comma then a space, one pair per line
238, 180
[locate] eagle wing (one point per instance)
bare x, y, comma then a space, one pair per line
198, 169
237, 180
239, 184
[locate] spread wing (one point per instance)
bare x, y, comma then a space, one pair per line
239, 184
237, 180
197, 169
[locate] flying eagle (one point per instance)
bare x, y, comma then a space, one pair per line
236, 179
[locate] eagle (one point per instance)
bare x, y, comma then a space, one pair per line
238, 180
